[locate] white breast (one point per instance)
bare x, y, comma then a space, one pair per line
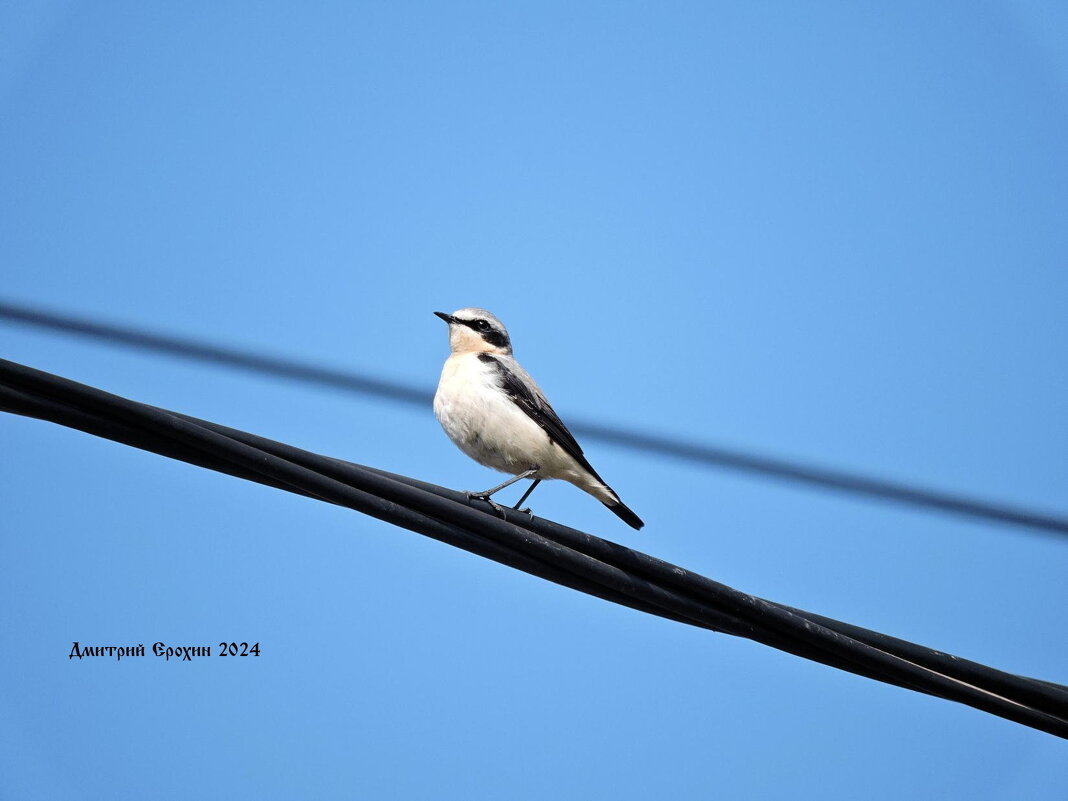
484, 422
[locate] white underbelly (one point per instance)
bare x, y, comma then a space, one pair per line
489, 427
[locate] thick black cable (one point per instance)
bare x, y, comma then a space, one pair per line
554, 552
651, 443
18, 402
326, 497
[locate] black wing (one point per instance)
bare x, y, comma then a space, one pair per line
538, 410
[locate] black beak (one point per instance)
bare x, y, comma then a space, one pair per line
446, 317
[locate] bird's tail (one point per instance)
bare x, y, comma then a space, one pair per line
595, 486
623, 512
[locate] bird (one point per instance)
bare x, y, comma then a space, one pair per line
494, 412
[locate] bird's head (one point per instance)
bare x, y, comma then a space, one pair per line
476, 331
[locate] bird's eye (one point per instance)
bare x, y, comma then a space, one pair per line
482, 325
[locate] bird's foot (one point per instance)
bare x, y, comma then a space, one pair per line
484, 496
525, 511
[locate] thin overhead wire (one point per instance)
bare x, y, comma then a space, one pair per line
698, 453
540, 547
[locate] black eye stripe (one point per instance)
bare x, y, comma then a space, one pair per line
476, 325
489, 334
495, 338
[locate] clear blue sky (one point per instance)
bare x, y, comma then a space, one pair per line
834, 232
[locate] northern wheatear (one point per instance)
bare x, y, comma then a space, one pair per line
492, 409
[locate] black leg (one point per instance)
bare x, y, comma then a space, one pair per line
526, 494
485, 496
